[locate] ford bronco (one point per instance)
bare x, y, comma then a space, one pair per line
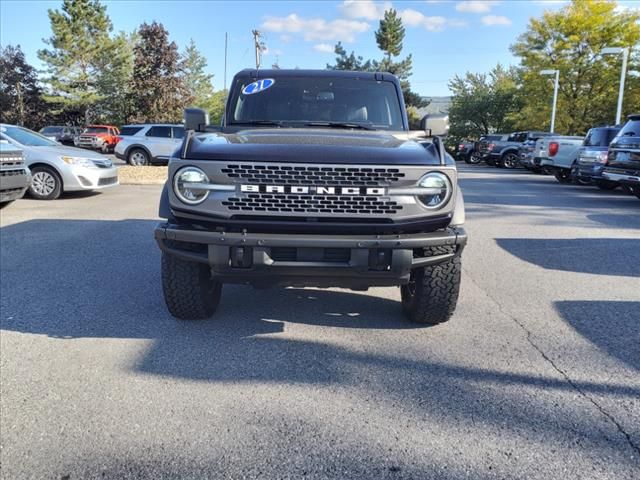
312, 180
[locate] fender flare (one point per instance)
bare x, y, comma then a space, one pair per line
141, 147
164, 210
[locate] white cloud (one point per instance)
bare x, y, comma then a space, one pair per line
285, 38
627, 7
496, 20
414, 18
323, 48
314, 29
275, 52
368, 9
476, 6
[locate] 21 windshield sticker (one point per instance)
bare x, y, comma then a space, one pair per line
258, 86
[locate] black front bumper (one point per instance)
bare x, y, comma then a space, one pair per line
269, 259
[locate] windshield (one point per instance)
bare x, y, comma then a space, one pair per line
27, 137
297, 101
630, 129
599, 137
49, 130
96, 130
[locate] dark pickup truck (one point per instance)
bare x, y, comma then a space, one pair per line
505, 151
313, 180
623, 162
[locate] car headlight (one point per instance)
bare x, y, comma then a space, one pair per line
440, 190
185, 185
79, 161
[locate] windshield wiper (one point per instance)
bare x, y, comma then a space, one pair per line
339, 125
268, 123
630, 134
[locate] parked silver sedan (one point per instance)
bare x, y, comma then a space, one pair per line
56, 168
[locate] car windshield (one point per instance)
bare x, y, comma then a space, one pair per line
26, 137
96, 130
599, 137
316, 101
49, 130
630, 129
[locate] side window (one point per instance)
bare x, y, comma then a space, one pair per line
159, 132
65, 131
178, 132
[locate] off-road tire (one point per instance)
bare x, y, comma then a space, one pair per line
633, 190
432, 295
473, 158
607, 185
189, 291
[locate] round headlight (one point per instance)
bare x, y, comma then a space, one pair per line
184, 188
440, 187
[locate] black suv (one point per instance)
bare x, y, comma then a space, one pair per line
592, 158
623, 164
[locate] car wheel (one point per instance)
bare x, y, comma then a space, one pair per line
510, 161
576, 178
189, 291
475, 158
105, 148
633, 190
138, 158
431, 295
606, 185
46, 184
563, 175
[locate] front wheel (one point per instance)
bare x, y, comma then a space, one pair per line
431, 295
510, 161
138, 158
46, 184
563, 175
632, 190
189, 290
474, 159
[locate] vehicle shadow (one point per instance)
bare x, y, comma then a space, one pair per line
613, 326
601, 256
100, 279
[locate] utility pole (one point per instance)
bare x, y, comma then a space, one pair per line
259, 46
225, 60
556, 74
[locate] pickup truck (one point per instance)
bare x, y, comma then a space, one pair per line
313, 179
505, 151
15, 177
560, 156
468, 152
623, 163
99, 137
593, 156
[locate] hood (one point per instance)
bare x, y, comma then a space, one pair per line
63, 150
322, 145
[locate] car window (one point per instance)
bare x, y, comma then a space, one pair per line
50, 130
96, 130
127, 131
178, 132
159, 132
66, 131
599, 137
27, 137
630, 129
305, 99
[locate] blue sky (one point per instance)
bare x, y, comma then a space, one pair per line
445, 37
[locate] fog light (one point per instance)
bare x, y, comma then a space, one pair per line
440, 185
187, 185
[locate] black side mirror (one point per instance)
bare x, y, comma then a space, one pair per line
195, 119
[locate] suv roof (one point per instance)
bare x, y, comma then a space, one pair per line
154, 125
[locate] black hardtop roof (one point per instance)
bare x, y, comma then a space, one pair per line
634, 116
275, 73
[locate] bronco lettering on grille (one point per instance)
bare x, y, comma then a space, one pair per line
311, 190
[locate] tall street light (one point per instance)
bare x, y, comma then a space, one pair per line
625, 56
555, 95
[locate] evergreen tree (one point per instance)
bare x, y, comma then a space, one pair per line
158, 86
20, 96
114, 83
77, 51
390, 34
351, 62
197, 82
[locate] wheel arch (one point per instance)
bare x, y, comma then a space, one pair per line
40, 163
135, 146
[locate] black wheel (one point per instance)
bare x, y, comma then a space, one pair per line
138, 157
189, 291
563, 175
607, 185
431, 295
473, 158
576, 178
632, 189
510, 161
46, 184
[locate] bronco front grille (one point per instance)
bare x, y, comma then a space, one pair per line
312, 175
344, 204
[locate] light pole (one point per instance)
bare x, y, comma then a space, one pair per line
623, 74
555, 95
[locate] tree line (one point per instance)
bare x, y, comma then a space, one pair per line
92, 75
569, 40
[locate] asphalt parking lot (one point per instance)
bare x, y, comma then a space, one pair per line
536, 376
